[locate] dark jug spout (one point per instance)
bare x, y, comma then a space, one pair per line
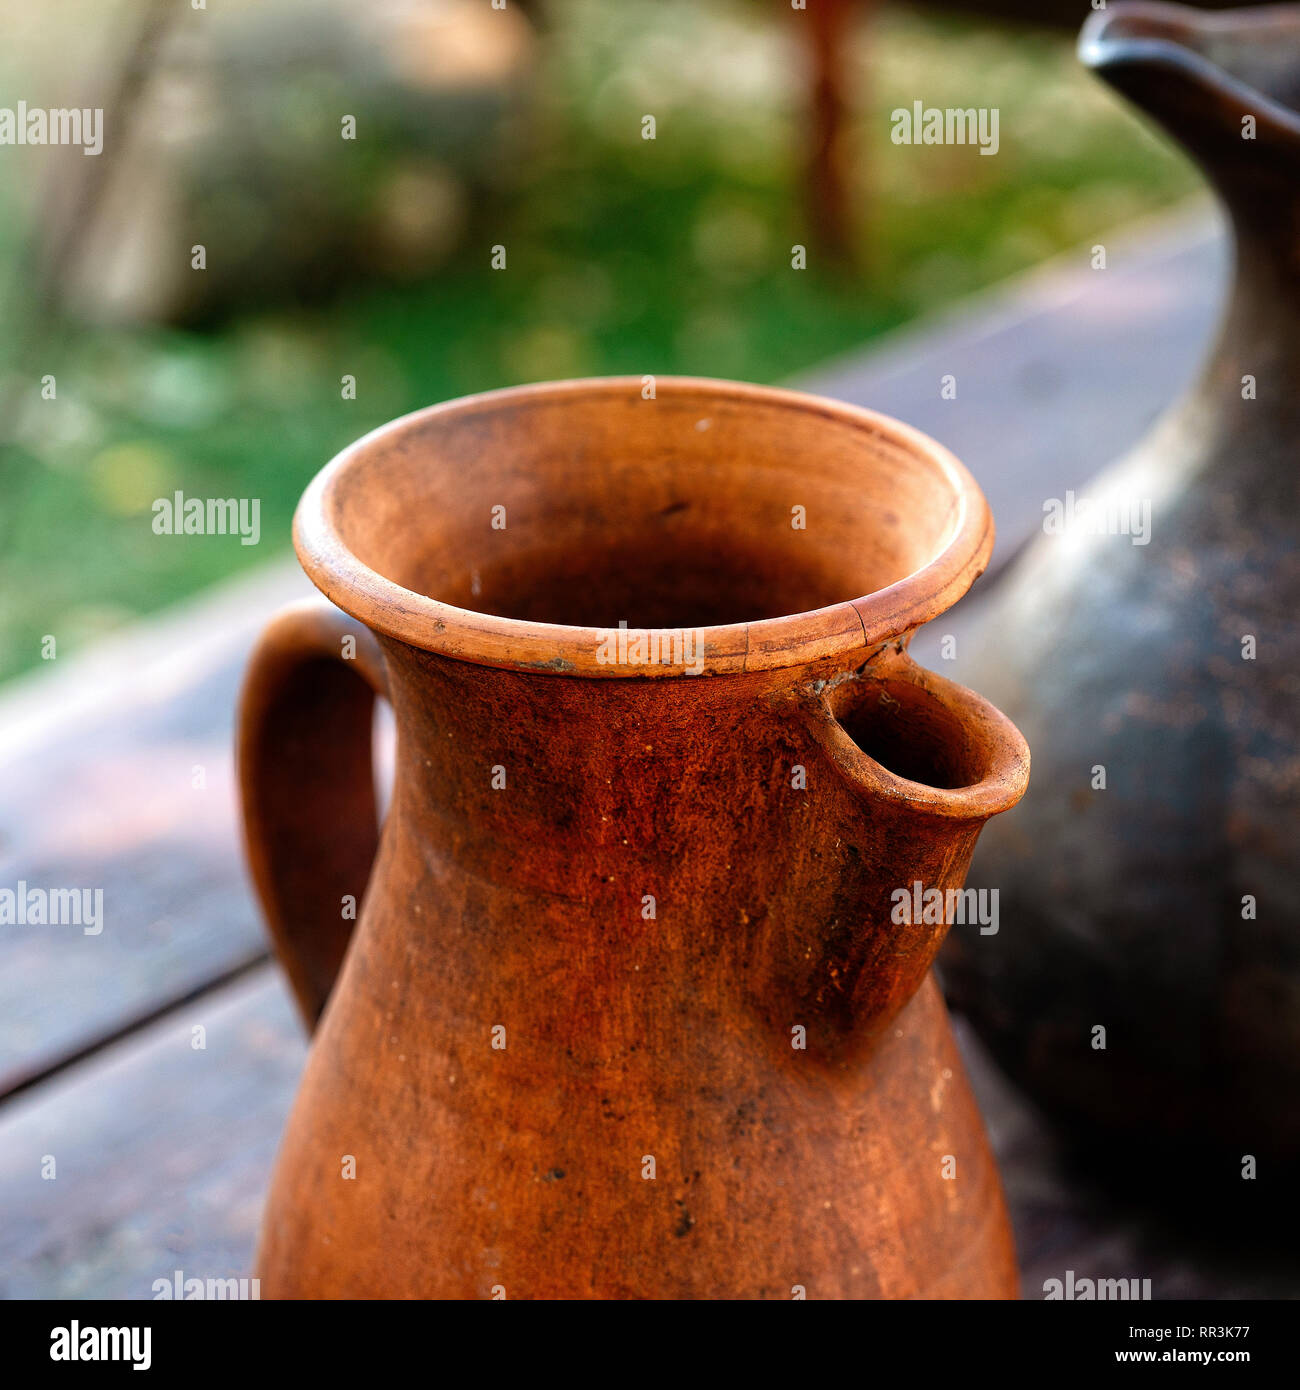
1225, 85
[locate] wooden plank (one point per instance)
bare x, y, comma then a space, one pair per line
162, 1152
147, 671
163, 1155
98, 759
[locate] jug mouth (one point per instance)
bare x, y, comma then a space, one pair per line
587, 497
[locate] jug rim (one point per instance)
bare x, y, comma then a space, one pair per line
789, 640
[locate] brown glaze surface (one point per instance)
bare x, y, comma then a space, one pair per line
632, 1031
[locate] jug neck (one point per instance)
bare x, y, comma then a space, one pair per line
733, 819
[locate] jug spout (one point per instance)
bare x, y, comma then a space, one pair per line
1226, 86
916, 765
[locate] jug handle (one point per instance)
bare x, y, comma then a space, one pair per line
307, 786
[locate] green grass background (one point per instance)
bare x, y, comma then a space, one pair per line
624, 256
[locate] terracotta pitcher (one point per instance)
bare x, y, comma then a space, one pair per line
631, 1009
1163, 906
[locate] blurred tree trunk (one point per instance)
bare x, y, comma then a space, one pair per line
830, 162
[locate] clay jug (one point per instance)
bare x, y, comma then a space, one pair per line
631, 1009
1161, 905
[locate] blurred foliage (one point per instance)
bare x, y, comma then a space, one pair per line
625, 255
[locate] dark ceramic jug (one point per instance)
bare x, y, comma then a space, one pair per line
1163, 907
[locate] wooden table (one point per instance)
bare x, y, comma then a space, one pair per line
115, 770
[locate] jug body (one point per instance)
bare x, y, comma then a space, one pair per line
1160, 903
631, 1009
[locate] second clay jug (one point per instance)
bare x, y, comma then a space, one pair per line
1160, 905
638, 1004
